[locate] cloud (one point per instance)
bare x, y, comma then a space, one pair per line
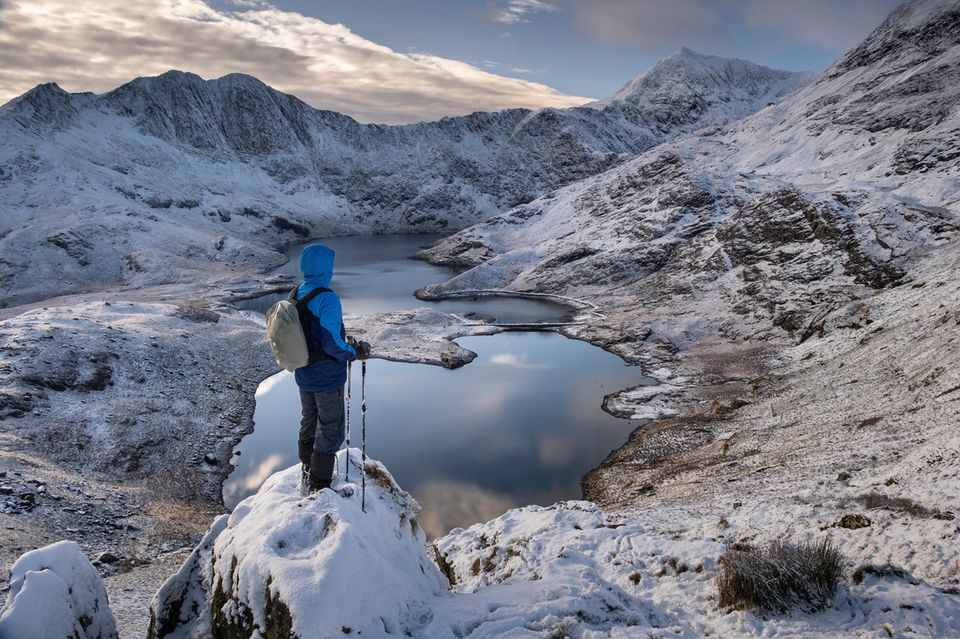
515, 11
526, 70
828, 24
506, 359
252, 481
271, 382
96, 45
712, 24
512, 359
448, 503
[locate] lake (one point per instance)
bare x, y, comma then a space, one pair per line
519, 425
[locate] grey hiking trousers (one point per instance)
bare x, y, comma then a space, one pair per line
322, 431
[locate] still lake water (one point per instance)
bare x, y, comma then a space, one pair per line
519, 425
374, 274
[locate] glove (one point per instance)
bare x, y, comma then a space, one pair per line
363, 350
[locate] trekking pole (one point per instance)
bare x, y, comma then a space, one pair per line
363, 435
349, 384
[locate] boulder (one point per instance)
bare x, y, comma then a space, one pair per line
56, 592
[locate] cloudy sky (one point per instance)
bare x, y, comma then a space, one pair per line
404, 60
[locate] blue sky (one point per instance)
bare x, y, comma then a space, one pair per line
559, 47
396, 61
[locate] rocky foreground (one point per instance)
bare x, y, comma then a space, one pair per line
147, 401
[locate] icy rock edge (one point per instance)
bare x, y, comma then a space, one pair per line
56, 592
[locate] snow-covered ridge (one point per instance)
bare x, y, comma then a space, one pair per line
137, 184
666, 83
713, 253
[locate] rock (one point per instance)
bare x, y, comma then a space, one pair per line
843, 476
249, 571
6, 489
211, 459
107, 558
854, 522
56, 592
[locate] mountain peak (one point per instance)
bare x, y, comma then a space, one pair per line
44, 106
41, 93
687, 72
687, 52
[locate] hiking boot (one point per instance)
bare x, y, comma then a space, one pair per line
321, 471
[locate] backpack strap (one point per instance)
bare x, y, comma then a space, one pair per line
314, 349
309, 296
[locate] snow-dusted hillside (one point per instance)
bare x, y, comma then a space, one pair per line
791, 278
139, 185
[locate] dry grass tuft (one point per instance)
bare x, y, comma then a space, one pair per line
780, 577
874, 500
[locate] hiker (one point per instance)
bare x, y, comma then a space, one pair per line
321, 381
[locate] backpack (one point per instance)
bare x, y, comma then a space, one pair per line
288, 329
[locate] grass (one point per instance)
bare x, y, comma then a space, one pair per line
780, 577
874, 500
879, 570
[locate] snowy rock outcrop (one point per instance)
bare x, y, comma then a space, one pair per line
285, 565
56, 592
164, 175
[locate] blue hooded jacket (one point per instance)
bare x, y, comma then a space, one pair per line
326, 329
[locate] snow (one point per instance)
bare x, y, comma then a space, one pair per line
570, 568
56, 592
298, 550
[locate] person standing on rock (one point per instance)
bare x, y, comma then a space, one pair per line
321, 381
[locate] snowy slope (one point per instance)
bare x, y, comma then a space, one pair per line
137, 185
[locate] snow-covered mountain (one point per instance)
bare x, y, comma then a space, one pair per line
792, 279
766, 224
132, 185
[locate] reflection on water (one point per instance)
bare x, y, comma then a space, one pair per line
373, 274
519, 425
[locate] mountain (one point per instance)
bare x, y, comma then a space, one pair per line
761, 226
132, 185
770, 273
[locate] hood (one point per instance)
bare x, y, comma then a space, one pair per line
316, 264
